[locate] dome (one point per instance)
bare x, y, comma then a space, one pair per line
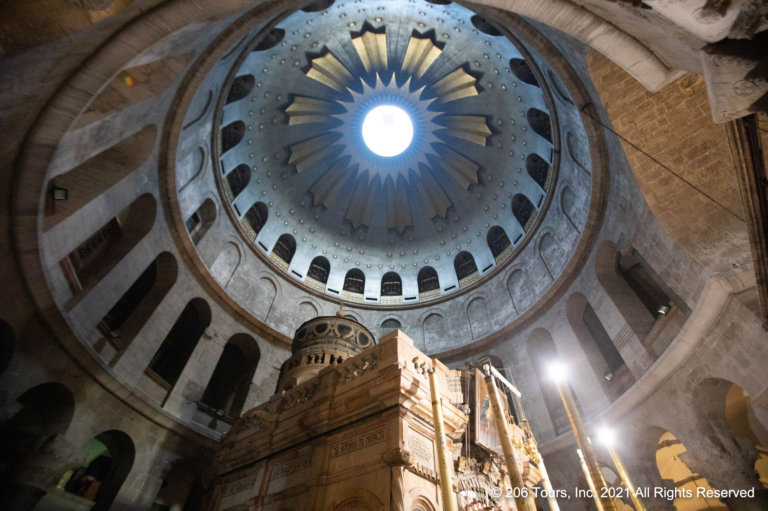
323, 342
323, 331
460, 200
193, 189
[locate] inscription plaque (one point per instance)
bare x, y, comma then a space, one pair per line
356, 443
421, 448
288, 468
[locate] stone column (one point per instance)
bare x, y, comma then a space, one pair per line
153, 479
645, 475
398, 460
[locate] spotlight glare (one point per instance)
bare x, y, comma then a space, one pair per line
556, 371
387, 130
607, 436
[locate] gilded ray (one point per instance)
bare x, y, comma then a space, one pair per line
327, 188
430, 191
456, 85
361, 205
419, 56
305, 153
372, 49
472, 128
329, 71
398, 209
463, 170
304, 110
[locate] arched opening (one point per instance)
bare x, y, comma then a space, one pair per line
433, 330
523, 211
98, 174
108, 458
255, 219
134, 85
605, 360
306, 310
523, 72
466, 269
484, 25
238, 179
421, 503
241, 87
645, 284
354, 282
228, 387
171, 357
499, 243
518, 292
358, 499
7, 345
671, 466
540, 123
226, 263
272, 39
640, 296
538, 169
125, 319
568, 206
46, 411
390, 325
728, 418
391, 284
558, 87
86, 265
480, 320
542, 352
284, 250
428, 283
318, 272
201, 220
549, 253
231, 135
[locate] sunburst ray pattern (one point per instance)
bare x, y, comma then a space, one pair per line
416, 174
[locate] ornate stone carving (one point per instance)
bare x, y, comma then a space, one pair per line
302, 395
360, 367
397, 457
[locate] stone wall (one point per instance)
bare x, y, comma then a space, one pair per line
700, 252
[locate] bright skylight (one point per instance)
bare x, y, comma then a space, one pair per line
387, 130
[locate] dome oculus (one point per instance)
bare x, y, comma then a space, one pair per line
387, 130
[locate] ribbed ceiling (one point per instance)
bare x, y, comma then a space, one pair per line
293, 115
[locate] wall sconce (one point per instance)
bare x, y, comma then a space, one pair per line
608, 376
663, 310
59, 193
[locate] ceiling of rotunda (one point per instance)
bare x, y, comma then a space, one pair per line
304, 185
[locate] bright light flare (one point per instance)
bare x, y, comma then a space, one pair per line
606, 436
557, 372
387, 130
